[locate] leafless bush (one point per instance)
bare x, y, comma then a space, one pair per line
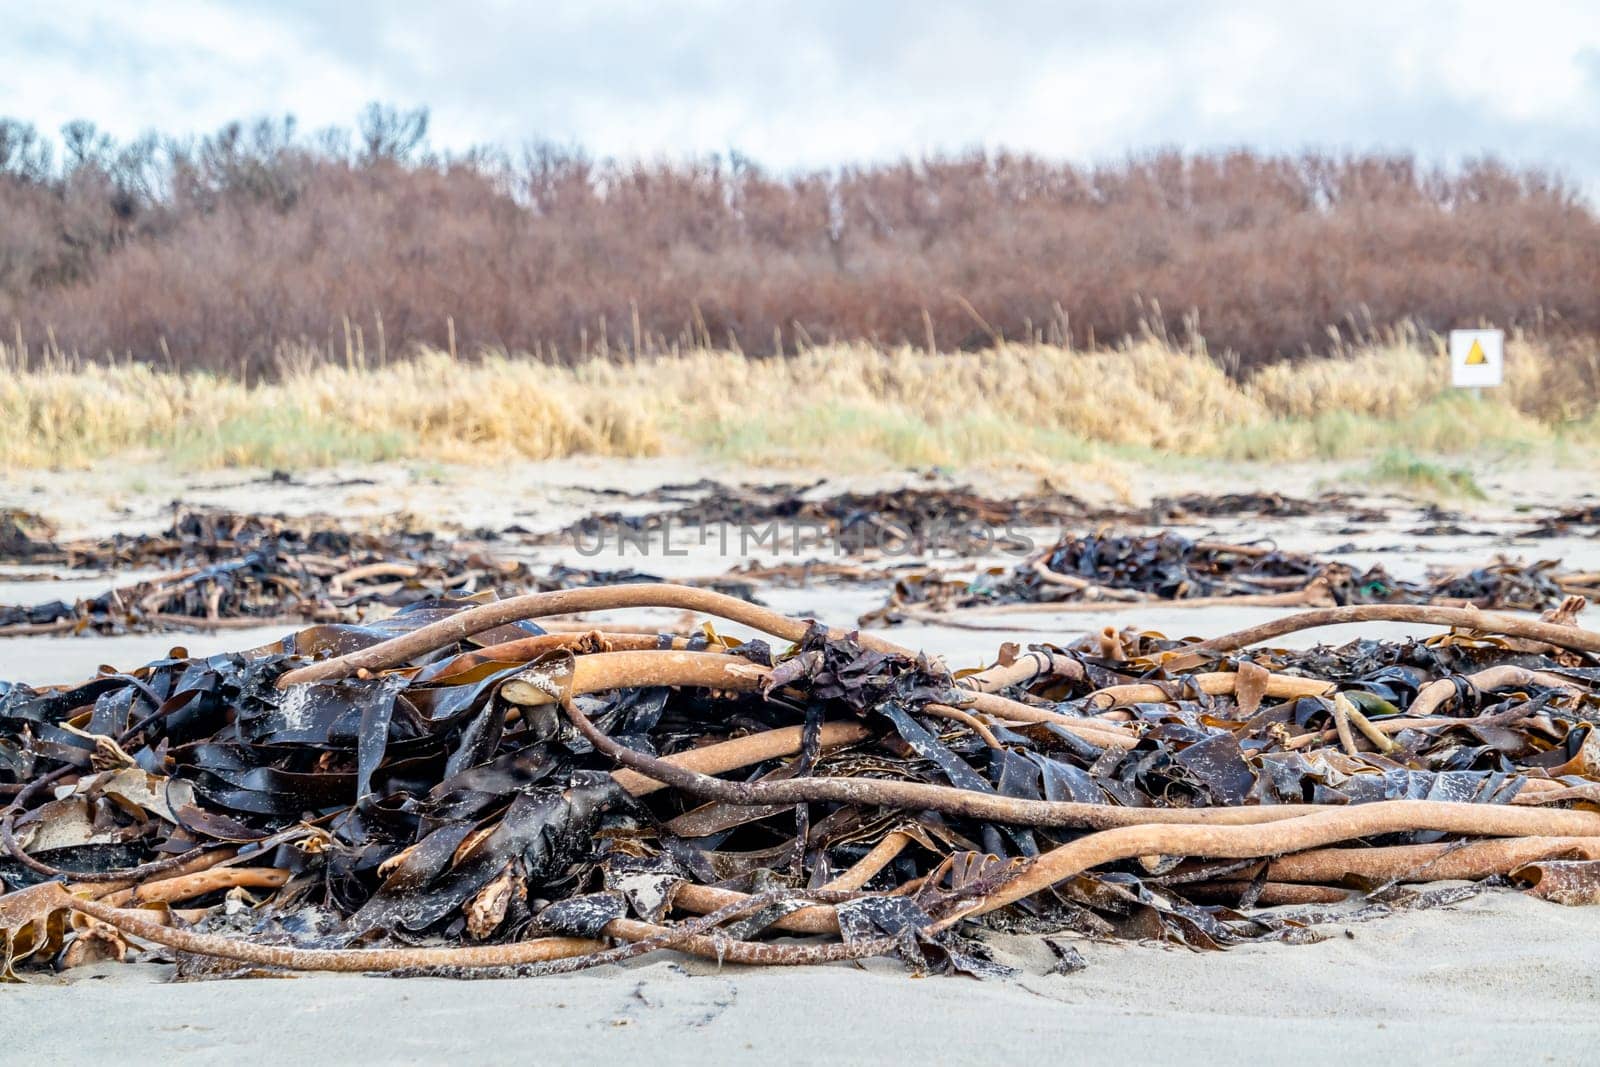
221, 252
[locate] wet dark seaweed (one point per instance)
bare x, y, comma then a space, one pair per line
420, 804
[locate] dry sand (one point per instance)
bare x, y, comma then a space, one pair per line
1499, 976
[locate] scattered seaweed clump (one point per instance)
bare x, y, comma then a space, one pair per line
198, 536
1563, 522
454, 790
1094, 571
24, 536
957, 520
250, 570
1190, 506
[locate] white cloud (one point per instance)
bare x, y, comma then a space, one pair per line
818, 82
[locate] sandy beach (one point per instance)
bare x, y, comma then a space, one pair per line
911, 533
1498, 975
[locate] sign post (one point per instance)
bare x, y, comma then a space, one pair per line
1477, 358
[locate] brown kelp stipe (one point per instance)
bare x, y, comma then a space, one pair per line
458, 627
455, 792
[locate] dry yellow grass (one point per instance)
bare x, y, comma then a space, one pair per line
845, 405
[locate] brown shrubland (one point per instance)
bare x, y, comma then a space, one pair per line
255, 246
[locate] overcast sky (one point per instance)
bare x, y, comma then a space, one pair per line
817, 82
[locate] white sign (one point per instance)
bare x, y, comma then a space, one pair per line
1477, 358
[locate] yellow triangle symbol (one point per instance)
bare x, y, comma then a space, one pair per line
1475, 356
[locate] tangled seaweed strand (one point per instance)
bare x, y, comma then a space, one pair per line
226, 570
858, 523
1092, 571
238, 571
455, 791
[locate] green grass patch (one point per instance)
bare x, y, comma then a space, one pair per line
284, 439
1401, 468
1449, 425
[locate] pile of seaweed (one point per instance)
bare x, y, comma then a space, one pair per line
23, 534
958, 520
924, 517
1567, 522
1188, 507
198, 536
1092, 571
454, 791
237, 570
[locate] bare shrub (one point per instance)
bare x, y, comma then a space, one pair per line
221, 252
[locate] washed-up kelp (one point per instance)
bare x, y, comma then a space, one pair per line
265, 587
958, 520
250, 570
198, 536
1092, 571
24, 535
1191, 506
454, 791
955, 520
1584, 519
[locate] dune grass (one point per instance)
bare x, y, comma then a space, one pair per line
848, 406
1402, 469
